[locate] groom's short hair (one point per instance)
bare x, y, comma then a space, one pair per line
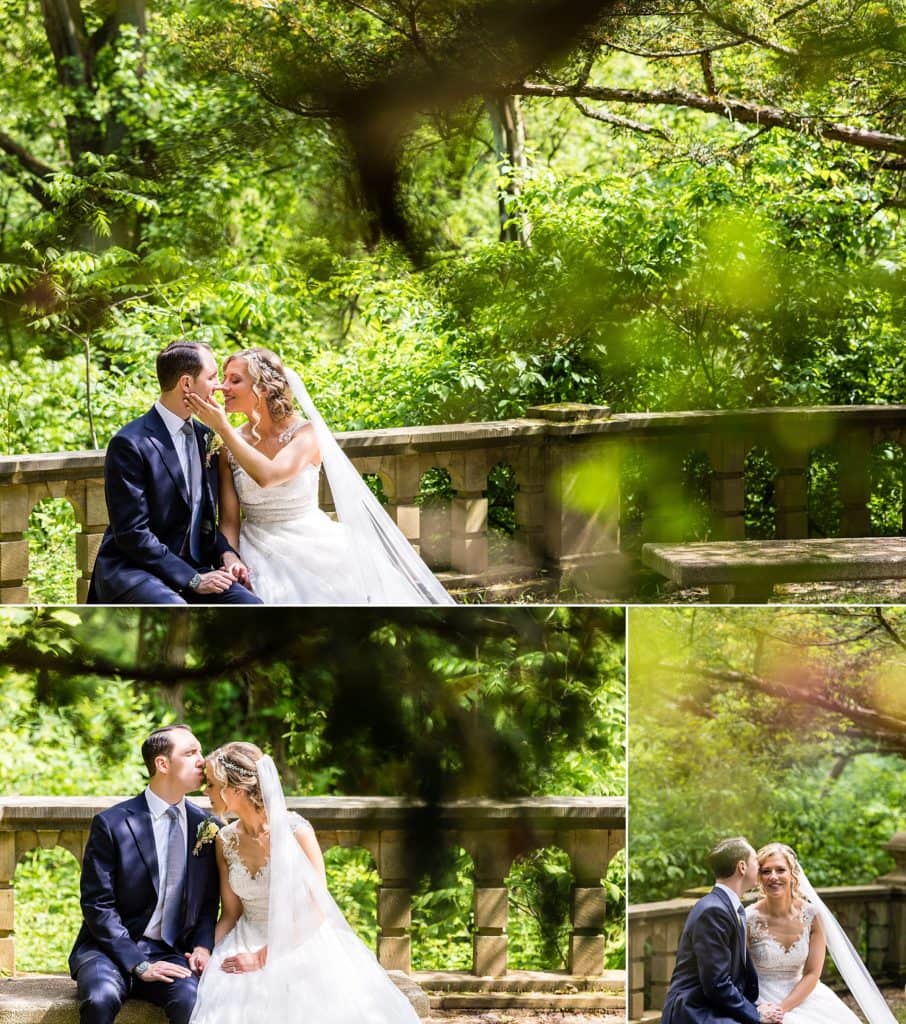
177, 358
726, 854
160, 742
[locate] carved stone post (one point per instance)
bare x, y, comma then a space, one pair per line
492, 861
590, 853
727, 452
635, 980
895, 958
401, 494
7, 902
15, 507
855, 483
394, 903
469, 513
530, 487
878, 935
791, 496
91, 514
664, 944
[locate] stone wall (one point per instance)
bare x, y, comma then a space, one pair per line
590, 829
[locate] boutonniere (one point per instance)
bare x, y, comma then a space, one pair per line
206, 832
212, 445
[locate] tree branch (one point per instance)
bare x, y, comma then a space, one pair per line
725, 106
31, 163
621, 122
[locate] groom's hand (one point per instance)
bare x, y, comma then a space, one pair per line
164, 971
771, 1013
237, 569
214, 582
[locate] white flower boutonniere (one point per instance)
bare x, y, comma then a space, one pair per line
206, 832
212, 445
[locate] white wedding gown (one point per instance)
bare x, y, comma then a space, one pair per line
330, 977
780, 968
296, 553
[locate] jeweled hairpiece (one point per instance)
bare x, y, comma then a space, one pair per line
238, 769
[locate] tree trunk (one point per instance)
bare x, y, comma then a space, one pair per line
508, 126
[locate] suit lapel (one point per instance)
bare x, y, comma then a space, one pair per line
138, 818
731, 910
163, 442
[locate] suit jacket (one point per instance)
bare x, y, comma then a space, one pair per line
120, 879
150, 512
714, 979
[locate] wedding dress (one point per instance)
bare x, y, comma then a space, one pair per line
317, 970
780, 968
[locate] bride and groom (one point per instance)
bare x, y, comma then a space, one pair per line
764, 962
157, 867
192, 524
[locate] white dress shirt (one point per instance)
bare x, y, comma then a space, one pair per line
161, 823
174, 425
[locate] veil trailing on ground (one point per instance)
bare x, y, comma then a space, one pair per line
391, 571
859, 982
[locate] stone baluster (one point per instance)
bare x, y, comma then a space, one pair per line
589, 853
490, 855
469, 512
791, 495
530, 500
404, 477
7, 902
855, 483
878, 935
664, 943
895, 961
15, 508
394, 902
727, 452
639, 937
91, 514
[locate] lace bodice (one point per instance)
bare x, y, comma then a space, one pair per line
252, 889
771, 958
289, 500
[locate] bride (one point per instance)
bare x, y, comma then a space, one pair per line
282, 949
295, 553
788, 932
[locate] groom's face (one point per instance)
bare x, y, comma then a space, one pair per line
206, 382
185, 765
751, 875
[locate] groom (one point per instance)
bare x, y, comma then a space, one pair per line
714, 981
162, 545
150, 891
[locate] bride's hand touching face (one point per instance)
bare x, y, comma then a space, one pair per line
211, 413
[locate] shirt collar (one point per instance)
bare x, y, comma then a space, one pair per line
737, 902
159, 807
172, 422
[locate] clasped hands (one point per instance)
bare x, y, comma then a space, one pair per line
771, 1013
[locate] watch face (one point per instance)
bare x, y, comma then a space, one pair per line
142, 967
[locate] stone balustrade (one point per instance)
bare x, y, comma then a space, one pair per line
568, 463
874, 917
591, 830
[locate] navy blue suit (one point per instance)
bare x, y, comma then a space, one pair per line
120, 878
714, 981
143, 557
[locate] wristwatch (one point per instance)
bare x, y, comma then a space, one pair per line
140, 969
195, 582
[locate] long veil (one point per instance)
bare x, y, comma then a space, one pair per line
390, 569
859, 982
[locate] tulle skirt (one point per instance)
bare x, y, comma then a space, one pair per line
331, 978
820, 1007
311, 559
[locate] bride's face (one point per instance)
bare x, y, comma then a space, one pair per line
237, 387
774, 875
213, 791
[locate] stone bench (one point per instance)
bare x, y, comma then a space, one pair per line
746, 571
51, 999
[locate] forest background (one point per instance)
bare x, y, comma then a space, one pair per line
422, 704
448, 210
783, 725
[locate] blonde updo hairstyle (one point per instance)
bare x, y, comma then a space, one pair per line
792, 861
269, 383
236, 765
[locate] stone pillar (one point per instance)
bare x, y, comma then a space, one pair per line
394, 903
727, 452
15, 507
895, 957
7, 903
791, 496
664, 944
91, 514
878, 935
589, 852
491, 904
469, 512
401, 495
855, 483
635, 977
530, 487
